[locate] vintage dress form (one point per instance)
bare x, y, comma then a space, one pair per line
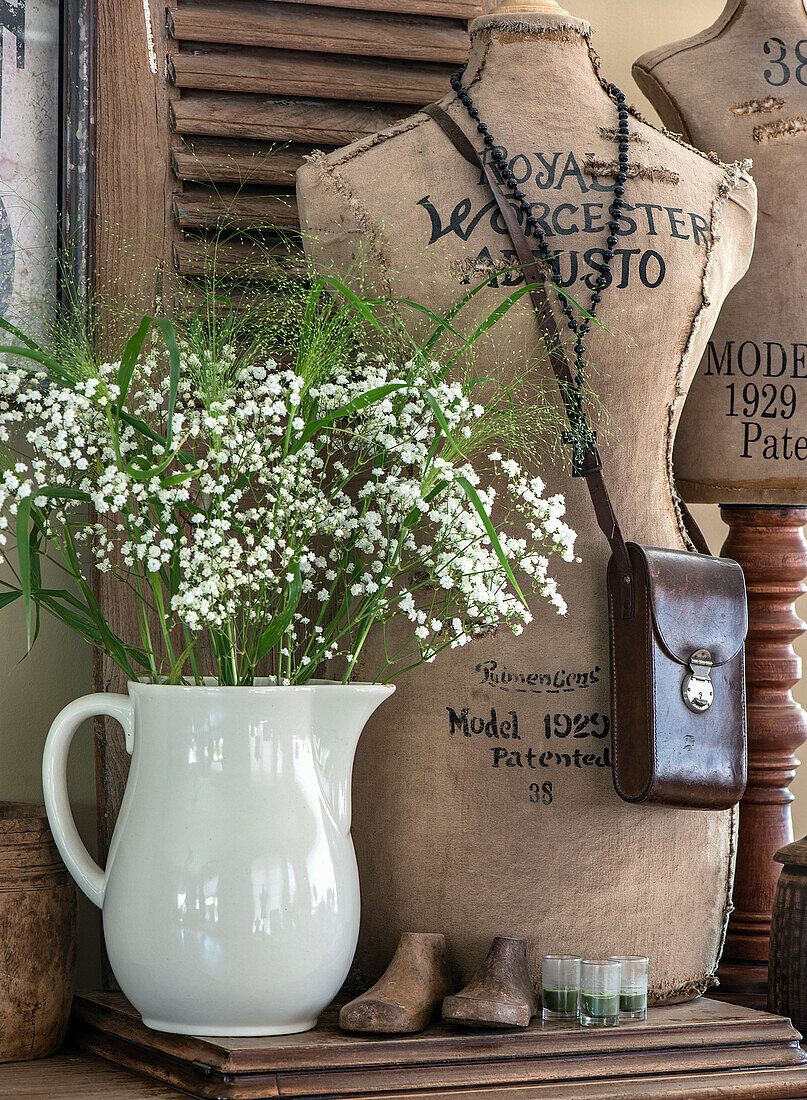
483, 797
740, 88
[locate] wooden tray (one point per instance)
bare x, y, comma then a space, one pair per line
701, 1049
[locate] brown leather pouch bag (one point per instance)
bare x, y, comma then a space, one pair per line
678, 680
678, 619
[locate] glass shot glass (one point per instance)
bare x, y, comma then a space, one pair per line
560, 978
600, 982
633, 989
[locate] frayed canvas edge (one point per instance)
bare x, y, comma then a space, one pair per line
330, 177
580, 29
564, 30
713, 158
650, 173
782, 128
766, 106
612, 134
596, 64
670, 994
729, 907
341, 156
734, 175
463, 269
329, 164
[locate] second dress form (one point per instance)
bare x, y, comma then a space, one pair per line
740, 88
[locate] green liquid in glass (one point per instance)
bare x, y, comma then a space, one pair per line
632, 1002
600, 1005
561, 1000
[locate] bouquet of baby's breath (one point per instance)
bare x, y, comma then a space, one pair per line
269, 494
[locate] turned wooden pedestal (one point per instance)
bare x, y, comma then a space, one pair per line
769, 544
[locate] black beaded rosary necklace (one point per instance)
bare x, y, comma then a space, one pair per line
581, 435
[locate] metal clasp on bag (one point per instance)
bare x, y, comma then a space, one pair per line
698, 690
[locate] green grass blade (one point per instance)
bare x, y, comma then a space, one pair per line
278, 627
23, 524
441, 420
42, 359
474, 498
169, 335
178, 479
359, 305
363, 401
128, 362
311, 306
7, 326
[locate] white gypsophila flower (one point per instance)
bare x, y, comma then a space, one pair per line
268, 503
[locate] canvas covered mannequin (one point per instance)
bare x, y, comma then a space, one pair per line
740, 88
483, 802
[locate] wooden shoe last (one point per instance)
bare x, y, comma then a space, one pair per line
408, 995
500, 994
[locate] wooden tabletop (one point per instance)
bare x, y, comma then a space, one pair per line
71, 1076
697, 1051
74, 1076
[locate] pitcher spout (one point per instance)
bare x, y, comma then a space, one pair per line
339, 715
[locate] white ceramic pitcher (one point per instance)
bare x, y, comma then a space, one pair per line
231, 896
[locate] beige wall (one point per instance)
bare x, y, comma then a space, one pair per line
31, 693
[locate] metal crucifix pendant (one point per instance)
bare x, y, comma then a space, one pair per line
581, 439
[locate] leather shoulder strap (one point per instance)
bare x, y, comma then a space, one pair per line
603, 509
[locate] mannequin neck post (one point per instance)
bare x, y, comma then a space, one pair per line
525, 41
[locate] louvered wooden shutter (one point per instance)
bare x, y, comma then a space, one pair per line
258, 84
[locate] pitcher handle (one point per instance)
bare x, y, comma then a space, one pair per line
89, 876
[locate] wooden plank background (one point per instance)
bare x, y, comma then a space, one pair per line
270, 118
322, 30
257, 85
294, 73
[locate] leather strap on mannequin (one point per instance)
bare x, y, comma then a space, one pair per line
603, 509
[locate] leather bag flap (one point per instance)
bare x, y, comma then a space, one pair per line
697, 602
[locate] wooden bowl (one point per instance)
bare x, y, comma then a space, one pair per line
37, 936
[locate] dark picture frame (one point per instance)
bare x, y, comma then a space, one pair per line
76, 153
